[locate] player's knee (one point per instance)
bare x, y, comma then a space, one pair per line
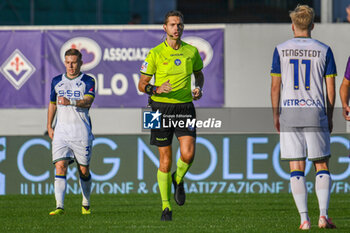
61, 168
187, 155
165, 165
85, 173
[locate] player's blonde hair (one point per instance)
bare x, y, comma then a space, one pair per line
303, 17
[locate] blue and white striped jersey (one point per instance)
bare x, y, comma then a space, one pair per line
303, 63
73, 123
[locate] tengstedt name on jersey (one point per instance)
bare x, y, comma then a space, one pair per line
192, 123
300, 53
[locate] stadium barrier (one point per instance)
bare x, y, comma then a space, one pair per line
235, 163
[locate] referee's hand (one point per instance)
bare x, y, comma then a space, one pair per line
197, 93
164, 88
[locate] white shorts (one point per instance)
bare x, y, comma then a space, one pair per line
294, 142
70, 150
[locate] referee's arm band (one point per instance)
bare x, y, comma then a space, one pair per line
150, 75
150, 89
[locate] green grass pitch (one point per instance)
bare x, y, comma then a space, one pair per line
141, 213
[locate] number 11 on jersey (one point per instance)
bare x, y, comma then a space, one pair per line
307, 63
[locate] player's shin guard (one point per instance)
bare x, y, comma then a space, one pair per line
85, 185
299, 191
164, 183
181, 170
60, 190
323, 187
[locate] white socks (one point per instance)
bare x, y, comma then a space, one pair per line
85, 185
60, 190
299, 191
323, 187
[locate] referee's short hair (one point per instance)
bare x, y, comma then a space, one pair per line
73, 52
173, 13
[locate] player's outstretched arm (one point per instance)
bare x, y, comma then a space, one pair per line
330, 88
275, 100
51, 111
344, 97
199, 82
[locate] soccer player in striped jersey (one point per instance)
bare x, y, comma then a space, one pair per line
172, 63
302, 112
344, 91
71, 97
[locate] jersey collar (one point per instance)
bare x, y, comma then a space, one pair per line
79, 76
168, 46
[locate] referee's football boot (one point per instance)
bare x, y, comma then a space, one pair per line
179, 191
85, 210
166, 215
58, 211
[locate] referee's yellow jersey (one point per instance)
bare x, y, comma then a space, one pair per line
166, 63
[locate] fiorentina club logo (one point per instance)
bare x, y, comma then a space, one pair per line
17, 69
90, 50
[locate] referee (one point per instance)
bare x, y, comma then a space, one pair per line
172, 63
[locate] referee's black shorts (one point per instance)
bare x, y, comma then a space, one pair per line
173, 114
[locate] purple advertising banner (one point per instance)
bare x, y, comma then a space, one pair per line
21, 69
112, 57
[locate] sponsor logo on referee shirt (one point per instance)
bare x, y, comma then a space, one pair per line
17, 69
